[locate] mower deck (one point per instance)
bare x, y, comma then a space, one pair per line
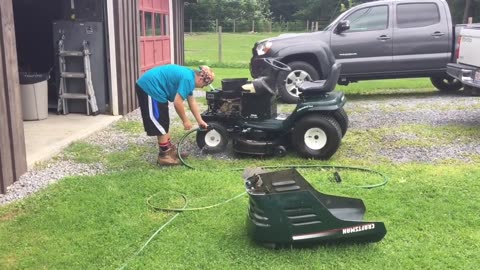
285, 210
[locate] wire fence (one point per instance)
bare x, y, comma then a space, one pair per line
243, 26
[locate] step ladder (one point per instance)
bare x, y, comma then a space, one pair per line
63, 94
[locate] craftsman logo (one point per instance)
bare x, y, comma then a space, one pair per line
358, 228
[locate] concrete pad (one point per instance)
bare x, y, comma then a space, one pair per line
46, 138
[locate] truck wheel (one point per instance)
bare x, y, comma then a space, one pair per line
287, 81
317, 136
342, 118
446, 83
214, 140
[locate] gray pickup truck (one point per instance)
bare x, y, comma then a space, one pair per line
376, 40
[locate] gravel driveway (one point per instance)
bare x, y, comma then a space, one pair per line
365, 114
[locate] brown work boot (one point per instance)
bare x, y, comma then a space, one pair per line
183, 155
168, 158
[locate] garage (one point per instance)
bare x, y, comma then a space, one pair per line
124, 38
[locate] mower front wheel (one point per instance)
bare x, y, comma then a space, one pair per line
214, 139
317, 136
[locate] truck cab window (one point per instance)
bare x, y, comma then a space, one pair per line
369, 19
417, 15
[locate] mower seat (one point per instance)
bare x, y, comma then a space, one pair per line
321, 86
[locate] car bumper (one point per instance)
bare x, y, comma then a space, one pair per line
468, 75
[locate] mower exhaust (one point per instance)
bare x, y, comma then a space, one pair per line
285, 210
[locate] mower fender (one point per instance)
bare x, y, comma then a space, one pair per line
333, 102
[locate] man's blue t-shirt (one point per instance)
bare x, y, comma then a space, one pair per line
164, 82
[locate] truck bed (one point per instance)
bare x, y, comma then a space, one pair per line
467, 68
470, 45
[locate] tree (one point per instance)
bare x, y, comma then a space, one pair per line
227, 9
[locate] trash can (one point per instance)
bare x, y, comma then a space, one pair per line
34, 92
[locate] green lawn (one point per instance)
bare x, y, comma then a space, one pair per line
236, 48
100, 222
430, 211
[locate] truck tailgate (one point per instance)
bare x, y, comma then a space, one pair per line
470, 45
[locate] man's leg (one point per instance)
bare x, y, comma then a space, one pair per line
156, 122
165, 143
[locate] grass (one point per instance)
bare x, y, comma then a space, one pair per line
99, 222
236, 48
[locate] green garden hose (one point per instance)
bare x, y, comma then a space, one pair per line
384, 177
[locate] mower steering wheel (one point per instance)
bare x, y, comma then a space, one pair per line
277, 64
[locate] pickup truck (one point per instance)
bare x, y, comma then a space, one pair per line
376, 40
467, 68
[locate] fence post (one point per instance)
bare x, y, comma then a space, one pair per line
220, 44
253, 26
190, 26
316, 26
233, 26
470, 20
216, 25
308, 25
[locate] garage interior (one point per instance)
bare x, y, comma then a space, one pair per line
39, 25
37, 52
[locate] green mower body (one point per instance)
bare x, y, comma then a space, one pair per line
314, 129
285, 210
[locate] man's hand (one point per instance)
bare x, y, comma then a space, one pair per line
203, 124
187, 125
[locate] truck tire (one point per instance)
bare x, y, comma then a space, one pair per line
214, 140
446, 83
287, 81
317, 136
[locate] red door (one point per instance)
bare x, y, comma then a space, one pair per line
154, 33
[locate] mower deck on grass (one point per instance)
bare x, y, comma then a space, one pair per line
285, 210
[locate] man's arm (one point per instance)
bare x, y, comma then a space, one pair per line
192, 103
178, 104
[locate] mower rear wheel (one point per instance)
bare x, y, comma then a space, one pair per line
213, 140
342, 118
317, 136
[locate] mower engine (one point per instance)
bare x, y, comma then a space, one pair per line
232, 101
220, 104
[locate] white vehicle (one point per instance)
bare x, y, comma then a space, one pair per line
467, 68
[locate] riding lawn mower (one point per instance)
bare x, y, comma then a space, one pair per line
246, 113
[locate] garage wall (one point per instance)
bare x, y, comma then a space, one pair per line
127, 53
178, 26
13, 162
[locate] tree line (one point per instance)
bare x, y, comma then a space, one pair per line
207, 13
